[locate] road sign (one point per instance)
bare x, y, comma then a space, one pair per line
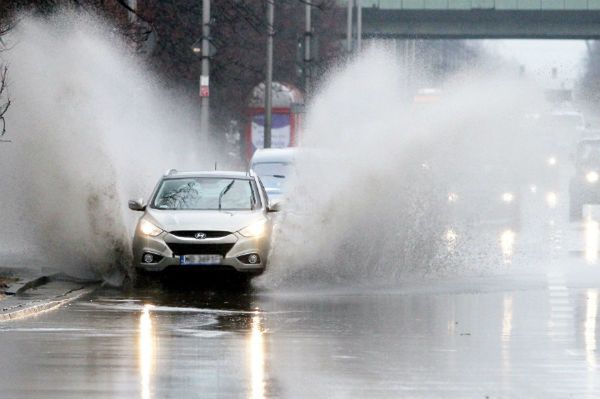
204, 86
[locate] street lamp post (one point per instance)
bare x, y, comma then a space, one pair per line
205, 71
358, 25
269, 74
349, 26
307, 48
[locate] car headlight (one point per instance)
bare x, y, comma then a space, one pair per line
149, 229
508, 197
256, 229
552, 161
592, 177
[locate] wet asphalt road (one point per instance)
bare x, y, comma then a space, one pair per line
470, 338
523, 326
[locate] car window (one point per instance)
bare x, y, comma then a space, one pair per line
206, 193
272, 174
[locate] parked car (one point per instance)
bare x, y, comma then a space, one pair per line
204, 220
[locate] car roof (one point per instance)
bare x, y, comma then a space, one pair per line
174, 174
274, 155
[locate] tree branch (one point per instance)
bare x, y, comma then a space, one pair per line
4, 107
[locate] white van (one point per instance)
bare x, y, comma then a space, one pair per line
273, 166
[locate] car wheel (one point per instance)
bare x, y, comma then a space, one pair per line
140, 278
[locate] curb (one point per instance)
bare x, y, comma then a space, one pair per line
34, 308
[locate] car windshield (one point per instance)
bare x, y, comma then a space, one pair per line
205, 193
272, 174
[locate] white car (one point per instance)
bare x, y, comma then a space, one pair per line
204, 220
273, 166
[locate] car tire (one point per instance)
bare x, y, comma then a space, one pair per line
141, 278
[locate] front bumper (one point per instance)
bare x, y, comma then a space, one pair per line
168, 249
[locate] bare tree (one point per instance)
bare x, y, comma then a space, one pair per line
4, 98
5, 105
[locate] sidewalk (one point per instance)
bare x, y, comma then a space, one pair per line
29, 292
14, 280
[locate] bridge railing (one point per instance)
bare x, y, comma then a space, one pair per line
479, 4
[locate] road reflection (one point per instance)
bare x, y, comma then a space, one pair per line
146, 350
507, 244
451, 238
507, 326
551, 199
256, 349
507, 317
590, 328
591, 236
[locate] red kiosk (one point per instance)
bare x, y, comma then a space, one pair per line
288, 106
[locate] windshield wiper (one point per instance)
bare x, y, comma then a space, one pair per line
225, 190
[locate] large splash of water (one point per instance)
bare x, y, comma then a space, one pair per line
369, 201
90, 128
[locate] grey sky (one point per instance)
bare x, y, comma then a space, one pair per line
540, 56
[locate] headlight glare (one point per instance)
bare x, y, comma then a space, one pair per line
256, 229
592, 177
508, 197
149, 229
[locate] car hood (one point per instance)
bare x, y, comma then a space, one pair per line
169, 220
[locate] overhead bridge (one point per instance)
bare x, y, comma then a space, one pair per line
480, 19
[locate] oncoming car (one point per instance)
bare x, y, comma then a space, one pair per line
206, 221
486, 196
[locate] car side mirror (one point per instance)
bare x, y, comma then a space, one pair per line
137, 205
274, 207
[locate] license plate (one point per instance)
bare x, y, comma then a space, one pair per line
200, 259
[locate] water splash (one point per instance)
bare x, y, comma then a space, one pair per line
370, 201
91, 128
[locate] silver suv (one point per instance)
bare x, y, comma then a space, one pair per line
204, 220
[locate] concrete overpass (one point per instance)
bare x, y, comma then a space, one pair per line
479, 19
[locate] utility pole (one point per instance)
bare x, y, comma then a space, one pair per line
205, 72
269, 77
358, 25
307, 48
349, 26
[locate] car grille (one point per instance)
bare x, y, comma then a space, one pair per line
192, 233
200, 249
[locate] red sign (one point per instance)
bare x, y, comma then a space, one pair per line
204, 91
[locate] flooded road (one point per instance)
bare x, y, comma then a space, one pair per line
513, 314
505, 336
